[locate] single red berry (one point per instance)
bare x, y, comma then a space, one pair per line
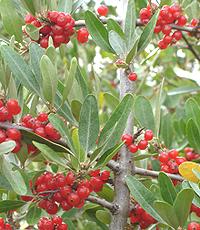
105, 175
59, 38
145, 14
163, 157
180, 160
167, 39
52, 16
165, 168
73, 199
177, 35
44, 42
157, 29
96, 184
132, 76
173, 154
17, 147
83, 192
143, 144
70, 178
82, 35
128, 139
13, 106
57, 197
166, 29
57, 30
61, 180
36, 23
189, 156
42, 117
162, 45
29, 18
40, 131
133, 148
148, 136
194, 22
188, 149
65, 191
45, 30
65, 206
182, 20
57, 220
13, 134
51, 208
102, 10
61, 20
193, 226
31, 149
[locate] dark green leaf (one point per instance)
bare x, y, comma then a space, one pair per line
98, 31
166, 130
29, 6
192, 110
193, 134
143, 113
167, 189
7, 205
182, 205
113, 25
143, 196
132, 53
104, 216
89, 123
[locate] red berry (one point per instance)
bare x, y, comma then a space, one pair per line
145, 14
59, 38
96, 184
57, 197
194, 22
102, 10
165, 168
73, 199
133, 148
62, 227
13, 134
167, 39
163, 157
162, 45
180, 160
189, 156
173, 154
26, 198
57, 220
157, 29
65, 206
82, 35
36, 23
65, 191
29, 18
177, 35
148, 136
57, 30
142, 144
182, 20
166, 29
132, 76
193, 226
13, 106
40, 131
17, 147
52, 15
128, 139
45, 30
83, 192
70, 178
44, 42
105, 175
51, 208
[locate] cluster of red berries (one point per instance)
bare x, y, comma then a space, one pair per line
102, 10
140, 217
4, 226
41, 126
129, 141
55, 222
170, 161
190, 154
132, 76
168, 15
66, 191
9, 109
193, 226
58, 25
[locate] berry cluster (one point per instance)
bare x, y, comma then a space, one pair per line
168, 15
55, 222
140, 217
133, 147
195, 209
58, 25
190, 154
102, 10
9, 109
4, 226
41, 126
67, 191
170, 161
193, 226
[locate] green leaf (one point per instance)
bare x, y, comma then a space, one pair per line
130, 22
165, 2
182, 205
147, 33
143, 113
32, 31
36, 53
104, 216
11, 20
167, 189
98, 31
33, 215
132, 53
143, 196
113, 25
29, 6
192, 110
183, 90
140, 156
69, 78
7, 205
82, 82
111, 100
166, 130
117, 43
115, 125
89, 124
50, 79
77, 4
60, 125
51, 155
14, 177
65, 6
193, 134
20, 69
167, 212
7, 147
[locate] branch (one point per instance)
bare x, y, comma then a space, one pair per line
145, 172
112, 207
190, 47
113, 165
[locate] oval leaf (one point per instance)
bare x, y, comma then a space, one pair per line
193, 134
7, 205
7, 147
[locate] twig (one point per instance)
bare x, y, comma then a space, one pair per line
113, 165
145, 172
190, 47
112, 207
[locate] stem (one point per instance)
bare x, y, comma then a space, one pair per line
112, 207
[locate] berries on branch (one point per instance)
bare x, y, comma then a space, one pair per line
55, 222
4, 226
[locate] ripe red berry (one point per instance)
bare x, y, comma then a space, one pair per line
83, 192
165, 168
17, 147
167, 39
132, 76
29, 18
61, 19
65, 206
189, 156
145, 14
166, 29
70, 178
44, 42
180, 160
102, 10
52, 15
82, 35
177, 35
194, 22
157, 29
40, 131
105, 175
13, 134
73, 199
57, 30
65, 191
182, 20
173, 154
59, 38
163, 157
148, 136
45, 30
51, 208
133, 148
128, 139
142, 145
13, 106
162, 45
193, 226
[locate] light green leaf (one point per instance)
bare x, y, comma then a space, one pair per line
166, 130
117, 43
65, 6
193, 134
111, 100
32, 31
33, 215
192, 110
113, 25
89, 124
50, 79
132, 53
98, 31
7, 147
104, 216
77, 4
